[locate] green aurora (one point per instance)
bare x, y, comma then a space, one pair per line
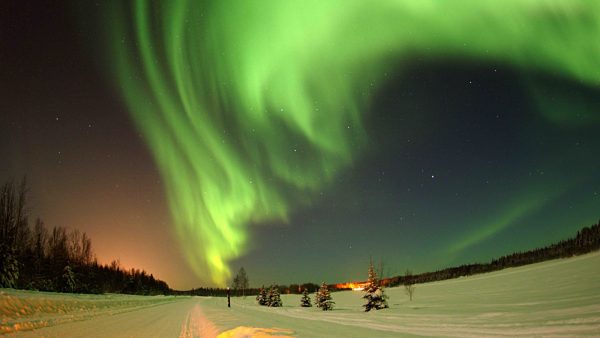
249, 107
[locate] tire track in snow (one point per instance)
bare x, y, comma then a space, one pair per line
197, 325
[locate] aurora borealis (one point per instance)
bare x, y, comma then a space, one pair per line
284, 130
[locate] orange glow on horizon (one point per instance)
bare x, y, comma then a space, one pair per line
355, 286
359, 286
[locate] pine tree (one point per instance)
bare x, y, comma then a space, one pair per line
305, 300
9, 266
269, 295
374, 293
68, 279
274, 299
317, 299
258, 295
261, 298
324, 300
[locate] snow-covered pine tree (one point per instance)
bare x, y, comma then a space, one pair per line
374, 293
317, 299
324, 298
269, 295
261, 298
274, 297
305, 300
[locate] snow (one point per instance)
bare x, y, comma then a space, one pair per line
555, 298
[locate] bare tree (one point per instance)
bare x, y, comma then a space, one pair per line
80, 247
86, 249
235, 284
58, 249
13, 213
409, 285
381, 271
40, 240
240, 282
74, 246
243, 280
14, 231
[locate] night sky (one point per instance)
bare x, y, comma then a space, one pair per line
299, 139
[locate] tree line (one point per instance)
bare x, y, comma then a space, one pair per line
38, 258
222, 292
586, 240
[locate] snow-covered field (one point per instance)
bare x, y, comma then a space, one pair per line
556, 298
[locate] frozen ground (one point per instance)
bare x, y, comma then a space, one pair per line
556, 298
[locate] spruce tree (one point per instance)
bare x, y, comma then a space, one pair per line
9, 266
68, 279
274, 299
317, 299
269, 295
374, 293
305, 300
261, 298
324, 300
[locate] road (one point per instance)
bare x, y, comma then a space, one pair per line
207, 317
186, 318
164, 320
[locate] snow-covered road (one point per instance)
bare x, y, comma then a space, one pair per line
555, 298
162, 320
